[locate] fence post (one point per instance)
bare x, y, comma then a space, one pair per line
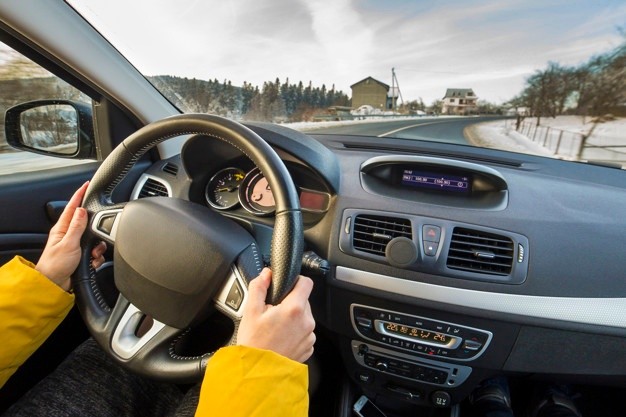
545, 138
558, 143
580, 147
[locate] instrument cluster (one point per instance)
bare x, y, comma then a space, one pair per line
232, 186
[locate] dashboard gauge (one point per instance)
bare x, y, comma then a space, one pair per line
255, 194
222, 191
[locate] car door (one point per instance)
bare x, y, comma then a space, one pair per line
34, 188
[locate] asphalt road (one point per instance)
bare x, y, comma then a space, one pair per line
439, 129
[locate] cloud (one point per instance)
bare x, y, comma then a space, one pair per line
489, 46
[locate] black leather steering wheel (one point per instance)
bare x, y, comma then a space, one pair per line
174, 260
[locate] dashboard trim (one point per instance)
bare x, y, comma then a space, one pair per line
595, 311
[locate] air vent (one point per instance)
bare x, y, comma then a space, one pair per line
153, 188
482, 252
170, 168
372, 233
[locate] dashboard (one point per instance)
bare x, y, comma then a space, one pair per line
448, 264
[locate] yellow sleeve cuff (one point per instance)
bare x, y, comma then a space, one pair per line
31, 307
244, 381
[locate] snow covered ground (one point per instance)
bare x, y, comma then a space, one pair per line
559, 137
13, 162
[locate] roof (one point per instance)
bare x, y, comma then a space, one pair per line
393, 92
372, 79
458, 92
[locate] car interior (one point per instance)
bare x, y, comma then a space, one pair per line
512, 265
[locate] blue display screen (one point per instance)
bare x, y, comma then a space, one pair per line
436, 181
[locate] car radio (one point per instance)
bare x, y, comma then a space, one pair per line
419, 335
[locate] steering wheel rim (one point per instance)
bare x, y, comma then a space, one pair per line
156, 357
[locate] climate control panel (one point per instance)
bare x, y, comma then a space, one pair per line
420, 335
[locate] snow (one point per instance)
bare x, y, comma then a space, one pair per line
559, 137
14, 162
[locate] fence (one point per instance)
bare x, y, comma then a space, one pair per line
572, 145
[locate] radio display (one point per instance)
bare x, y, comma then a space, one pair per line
418, 334
435, 181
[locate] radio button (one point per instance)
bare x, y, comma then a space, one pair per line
472, 345
364, 322
382, 366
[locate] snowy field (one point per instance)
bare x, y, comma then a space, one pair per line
559, 137
14, 162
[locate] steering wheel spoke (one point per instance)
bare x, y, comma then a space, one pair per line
105, 224
233, 296
135, 329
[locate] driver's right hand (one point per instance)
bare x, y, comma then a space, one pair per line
286, 328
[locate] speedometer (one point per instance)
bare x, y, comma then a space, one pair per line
255, 194
222, 191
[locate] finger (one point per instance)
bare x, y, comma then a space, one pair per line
68, 212
257, 291
97, 253
76, 228
300, 293
99, 250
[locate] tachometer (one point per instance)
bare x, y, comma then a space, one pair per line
222, 191
255, 194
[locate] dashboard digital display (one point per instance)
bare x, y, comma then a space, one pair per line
418, 334
436, 181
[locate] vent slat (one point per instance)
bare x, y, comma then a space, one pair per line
170, 168
153, 188
371, 234
482, 252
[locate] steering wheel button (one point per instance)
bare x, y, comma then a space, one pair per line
106, 223
235, 296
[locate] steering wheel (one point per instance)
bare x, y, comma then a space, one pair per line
174, 260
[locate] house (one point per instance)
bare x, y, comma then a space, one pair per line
373, 93
459, 101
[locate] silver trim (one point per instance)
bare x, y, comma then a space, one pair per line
222, 295
450, 329
124, 342
116, 223
596, 311
395, 159
142, 180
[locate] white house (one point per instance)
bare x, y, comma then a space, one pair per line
460, 101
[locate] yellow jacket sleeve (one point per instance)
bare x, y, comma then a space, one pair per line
249, 382
31, 307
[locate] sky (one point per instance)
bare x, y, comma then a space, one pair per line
489, 46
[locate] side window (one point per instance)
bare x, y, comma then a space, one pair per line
22, 80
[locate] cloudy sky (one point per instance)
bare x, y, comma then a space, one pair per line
490, 46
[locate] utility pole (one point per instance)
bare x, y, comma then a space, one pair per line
394, 85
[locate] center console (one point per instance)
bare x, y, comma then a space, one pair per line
403, 356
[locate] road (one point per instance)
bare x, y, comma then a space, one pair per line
439, 129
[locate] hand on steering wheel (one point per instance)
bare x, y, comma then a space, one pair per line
286, 328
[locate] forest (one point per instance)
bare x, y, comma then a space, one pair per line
275, 101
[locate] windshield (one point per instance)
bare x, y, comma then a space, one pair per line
546, 78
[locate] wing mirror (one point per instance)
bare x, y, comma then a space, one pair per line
60, 128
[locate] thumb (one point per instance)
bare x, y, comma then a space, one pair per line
257, 291
76, 227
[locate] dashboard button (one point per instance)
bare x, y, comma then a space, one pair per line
431, 233
430, 248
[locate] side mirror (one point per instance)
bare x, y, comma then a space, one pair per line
60, 128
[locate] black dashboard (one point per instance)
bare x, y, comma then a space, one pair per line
448, 264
